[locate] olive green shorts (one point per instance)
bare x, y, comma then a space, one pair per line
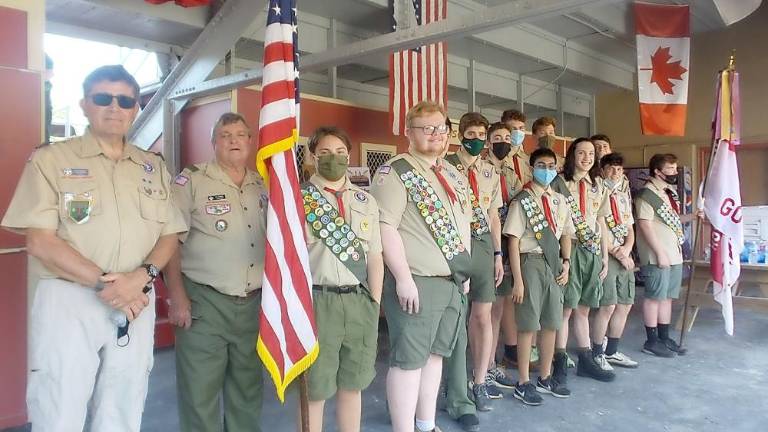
542, 306
505, 288
347, 330
482, 285
433, 330
662, 284
619, 285
584, 287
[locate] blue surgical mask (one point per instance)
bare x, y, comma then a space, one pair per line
517, 137
544, 176
610, 184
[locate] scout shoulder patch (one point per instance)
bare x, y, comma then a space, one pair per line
181, 180
384, 169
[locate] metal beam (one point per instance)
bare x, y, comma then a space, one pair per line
472, 102
219, 35
333, 78
449, 28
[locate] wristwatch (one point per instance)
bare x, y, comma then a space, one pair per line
152, 271
497, 253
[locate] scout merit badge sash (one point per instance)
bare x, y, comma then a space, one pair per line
665, 212
334, 232
479, 224
543, 232
436, 218
619, 229
588, 239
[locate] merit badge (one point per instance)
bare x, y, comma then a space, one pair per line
181, 180
221, 225
538, 236
148, 168
360, 196
364, 225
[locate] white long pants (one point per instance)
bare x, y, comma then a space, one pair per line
76, 368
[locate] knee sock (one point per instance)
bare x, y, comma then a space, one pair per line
663, 331
612, 347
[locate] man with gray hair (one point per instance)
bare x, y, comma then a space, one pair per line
215, 296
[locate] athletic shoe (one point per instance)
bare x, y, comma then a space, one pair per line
674, 347
588, 367
601, 361
481, 398
551, 386
469, 422
560, 368
657, 348
493, 391
621, 359
499, 378
527, 394
436, 429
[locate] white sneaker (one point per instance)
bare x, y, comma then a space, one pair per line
603, 363
620, 359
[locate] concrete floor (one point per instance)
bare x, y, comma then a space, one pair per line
718, 386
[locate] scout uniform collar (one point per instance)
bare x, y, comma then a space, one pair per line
517, 151
537, 189
465, 159
89, 147
423, 161
660, 185
321, 182
579, 176
214, 171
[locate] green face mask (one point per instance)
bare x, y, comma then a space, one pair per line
332, 166
473, 146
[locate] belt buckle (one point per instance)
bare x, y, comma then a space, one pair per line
347, 289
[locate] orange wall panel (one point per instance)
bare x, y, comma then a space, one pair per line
13, 33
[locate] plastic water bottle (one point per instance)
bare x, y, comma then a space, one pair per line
751, 252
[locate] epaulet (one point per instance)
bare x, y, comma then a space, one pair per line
160, 155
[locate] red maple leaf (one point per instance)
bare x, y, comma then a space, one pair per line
663, 70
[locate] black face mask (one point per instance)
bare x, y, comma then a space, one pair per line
501, 149
671, 179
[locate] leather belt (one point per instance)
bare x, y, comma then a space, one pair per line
341, 289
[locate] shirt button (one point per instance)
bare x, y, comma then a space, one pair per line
251, 265
249, 226
249, 284
251, 244
245, 208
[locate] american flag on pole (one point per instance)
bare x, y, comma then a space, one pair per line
722, 195
420, 73
287, 341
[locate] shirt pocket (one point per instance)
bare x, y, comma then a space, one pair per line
361, 224
153, 204
79, 200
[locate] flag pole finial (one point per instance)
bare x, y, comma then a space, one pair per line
732, 60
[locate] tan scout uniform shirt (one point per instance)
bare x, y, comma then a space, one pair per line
488, 187
596, 203
517, 219
665, 236
397, 210
508, 175
623, 198
523, 162
225, 244
362, 214
122, 206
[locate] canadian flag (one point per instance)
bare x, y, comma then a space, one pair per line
663, 59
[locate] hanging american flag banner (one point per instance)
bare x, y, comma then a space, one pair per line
287, 341
420, 73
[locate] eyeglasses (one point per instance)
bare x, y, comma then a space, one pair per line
105, 99
430, 130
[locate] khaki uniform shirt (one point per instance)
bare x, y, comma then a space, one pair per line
665, 235
596, 202
111, 212
623, 198
523, 162
488, 187
517, 220
507, 174
397, 210
225, 244
362, 214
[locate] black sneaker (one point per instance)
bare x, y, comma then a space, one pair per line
551, 386
493, 391
527, 394
469, 422
481, 398
499, 378
588, 367
658, 349
560, 368
674, 347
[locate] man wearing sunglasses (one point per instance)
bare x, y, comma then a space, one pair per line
97, 214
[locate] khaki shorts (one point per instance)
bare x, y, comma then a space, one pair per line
433, 330
619, 285
542, 306
482, 285
662, 284
347, 327
584, 287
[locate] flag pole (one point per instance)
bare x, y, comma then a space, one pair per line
713, 149
304, 401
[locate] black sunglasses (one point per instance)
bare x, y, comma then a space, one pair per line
105, 99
